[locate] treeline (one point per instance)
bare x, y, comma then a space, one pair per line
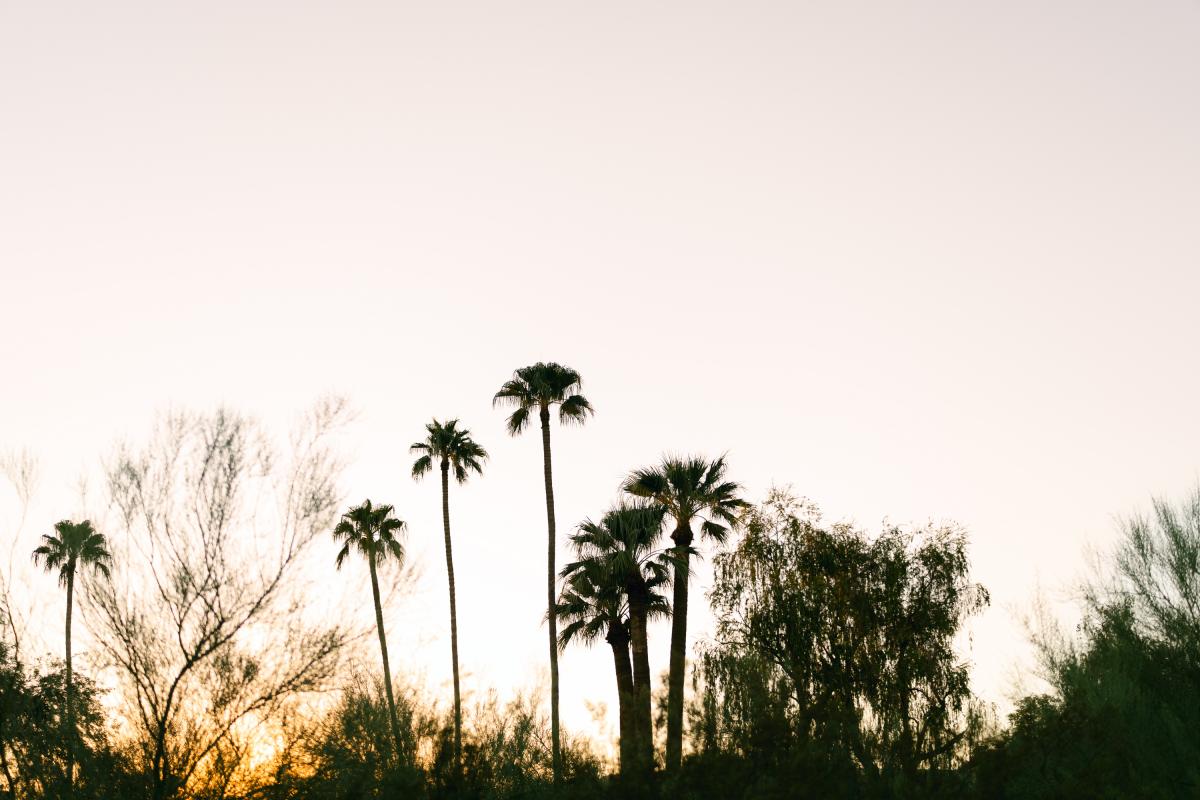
833, 671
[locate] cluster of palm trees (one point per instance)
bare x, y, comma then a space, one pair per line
618, 581
613, 588
616, 586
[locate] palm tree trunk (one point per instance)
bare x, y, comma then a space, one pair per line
387, 669
642, 719
70, 716
453, 617
619, 640
551, 617
683, 540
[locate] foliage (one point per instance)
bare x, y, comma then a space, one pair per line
839, 647
71, 545
1123, 719
506, 753
535, 388
446, 443
833, 671
32, 762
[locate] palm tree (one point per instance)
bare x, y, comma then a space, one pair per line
71, 547
451, 447
690, 489
535, 389
373, 532
618, 554
591, 607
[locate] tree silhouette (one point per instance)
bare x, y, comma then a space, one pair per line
689, 489
617, 556
452, 448
592, 607
535, 389
71, 547
372, 531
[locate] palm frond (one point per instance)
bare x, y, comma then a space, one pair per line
575, 410
422, 466
371, 530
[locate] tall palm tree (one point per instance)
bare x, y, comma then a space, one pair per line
452, 448
373, 531
537, 388
72, 547
691, 489
619, 553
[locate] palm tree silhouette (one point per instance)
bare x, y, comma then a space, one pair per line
71, 547
452, 448
617, 556
373, 531
535, 389
689, 489
591, 608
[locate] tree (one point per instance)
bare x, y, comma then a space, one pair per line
373, 531
1122, 717
210, 627
533, 389
31, 734
452, 448
617, 555
833, 644
72, 547
691, 489
592, 607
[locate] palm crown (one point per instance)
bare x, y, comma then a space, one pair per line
690, 487
618, 553
539, 386
372, 531
592, 606
446, 442
70, 546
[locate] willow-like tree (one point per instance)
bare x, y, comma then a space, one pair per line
691, 490
452, 449
618, 558
374, 532
73, 546
535, 390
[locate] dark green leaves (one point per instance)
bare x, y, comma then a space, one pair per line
371, 530
447, 443
537, 387
690, 487
73, 545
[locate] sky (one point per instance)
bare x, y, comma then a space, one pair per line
920, 262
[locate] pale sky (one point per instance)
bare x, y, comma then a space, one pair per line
922, 261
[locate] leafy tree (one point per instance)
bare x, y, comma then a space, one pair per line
1123, 717
691, 490
618, 554
374, 533
31, 703
72, 547
536, 389
452, 448
832, 642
